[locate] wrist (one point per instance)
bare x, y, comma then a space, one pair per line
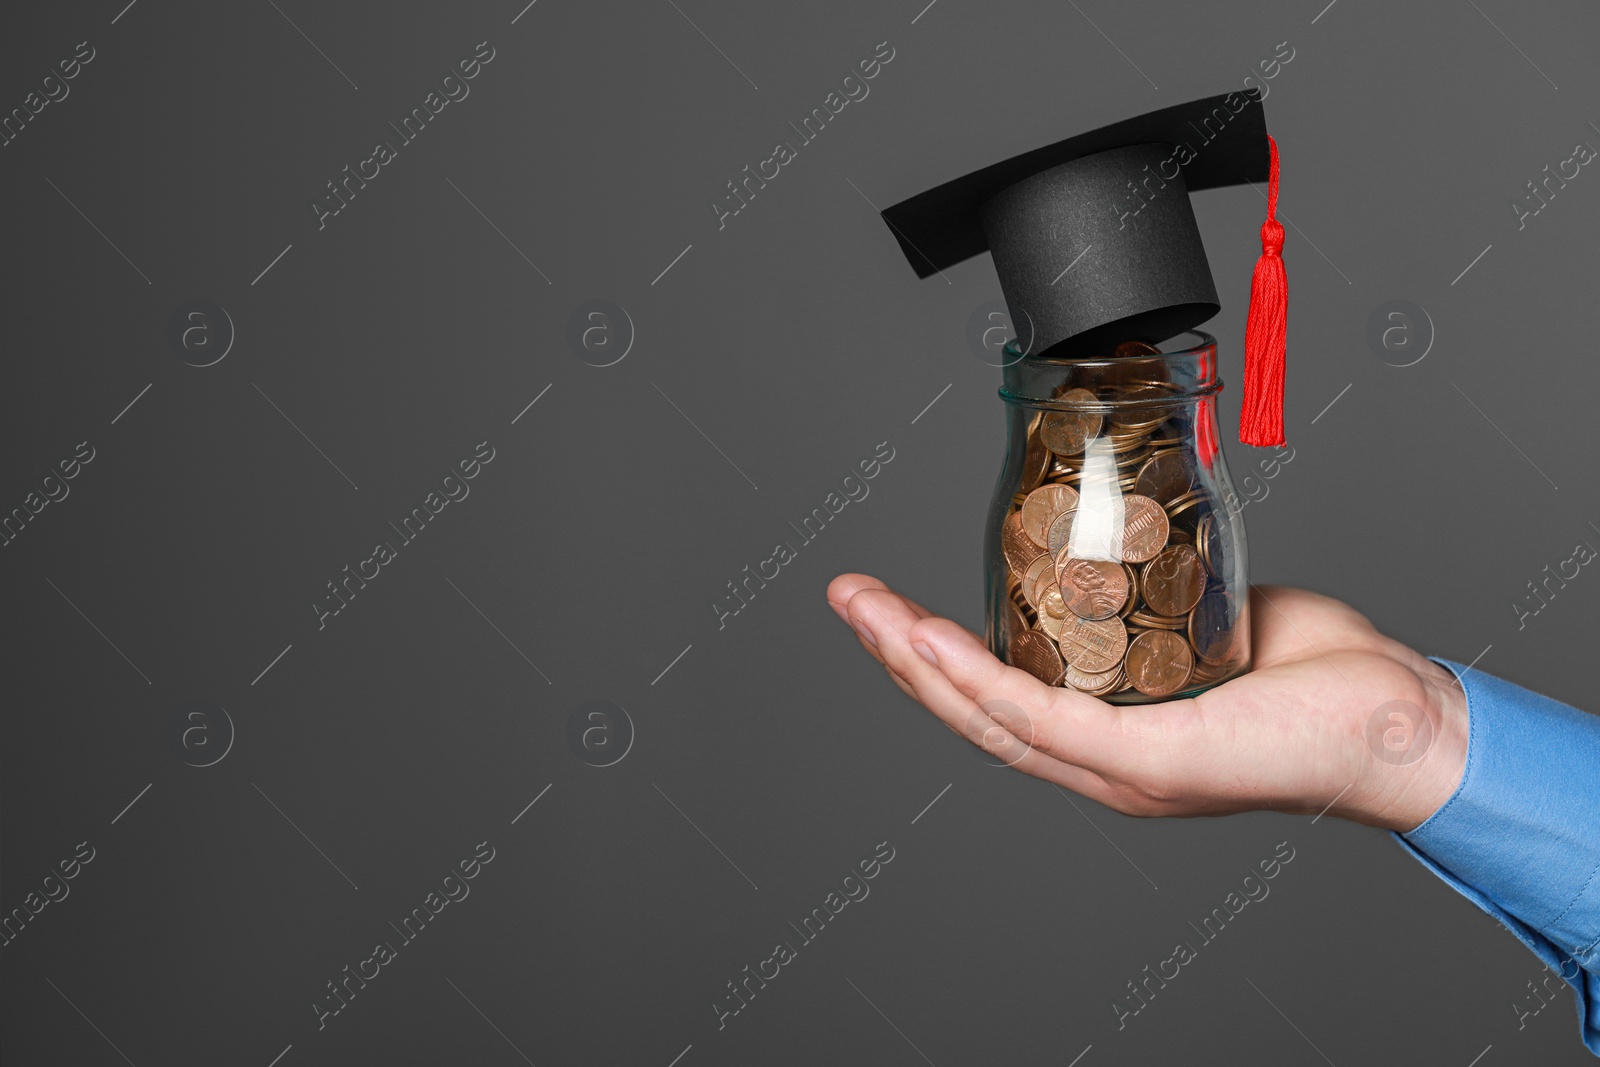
1409, 786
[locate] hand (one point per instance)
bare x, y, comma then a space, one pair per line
1292, 735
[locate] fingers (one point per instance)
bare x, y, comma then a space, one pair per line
1009, 729
845, 586
1070, 726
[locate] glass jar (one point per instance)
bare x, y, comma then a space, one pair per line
1115, 547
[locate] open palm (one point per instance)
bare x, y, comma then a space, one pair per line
1334, 716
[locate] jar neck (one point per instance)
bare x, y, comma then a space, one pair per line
1187, 372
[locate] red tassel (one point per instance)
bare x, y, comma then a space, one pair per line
1266, 328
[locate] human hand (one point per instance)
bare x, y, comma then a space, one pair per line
1292, 735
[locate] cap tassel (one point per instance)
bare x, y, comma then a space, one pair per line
1266, 328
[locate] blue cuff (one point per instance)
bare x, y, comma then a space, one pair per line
1520, 837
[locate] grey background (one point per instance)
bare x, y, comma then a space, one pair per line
415, 725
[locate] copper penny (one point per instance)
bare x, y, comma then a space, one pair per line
1066, 432
1060, 532
1050, 601
1213, 541
1145, 621
1135, 348
1043, 585
1035, 653
1159, 663
1035, 458
1144, 528
1166, 475
1092, 530
1042, 506
1011, 622
1040, 570
1093, 684
1093, 646
1173, 581
1145, 416
1015, 544
1093, 588
1052, 613
1212, 628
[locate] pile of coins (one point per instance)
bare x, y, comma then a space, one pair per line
1118, 569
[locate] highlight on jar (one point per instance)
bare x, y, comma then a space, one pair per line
1114, 565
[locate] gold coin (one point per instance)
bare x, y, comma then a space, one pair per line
1041, 508
1093, 645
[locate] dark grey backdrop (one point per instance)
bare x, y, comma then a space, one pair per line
770, 756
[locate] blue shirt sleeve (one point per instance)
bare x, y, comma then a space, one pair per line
1520, 837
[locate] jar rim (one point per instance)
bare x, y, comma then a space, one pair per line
1197, 347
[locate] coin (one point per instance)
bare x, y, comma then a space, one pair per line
1015, 544
1143, 416
1093, 645
1036, 570
1093, 684
1050, 602
1035, 653
1183, 509
1029, 616
1166, 475
1066, 432
1041, 508
1093, 588
1053, 613
1134, 348
1060, 532
1173, 581
1144, 620
1159, 663
1211, 628
1043, 585
1211, 539
1035, 457
1144, 529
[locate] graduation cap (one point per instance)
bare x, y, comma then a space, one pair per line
1095, 241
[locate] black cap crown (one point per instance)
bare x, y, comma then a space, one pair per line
1093, 237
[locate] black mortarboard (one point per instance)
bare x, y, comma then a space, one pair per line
1093, 237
